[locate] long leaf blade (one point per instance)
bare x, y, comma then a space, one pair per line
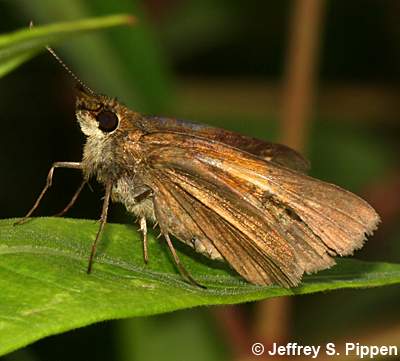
19, 46
44, 284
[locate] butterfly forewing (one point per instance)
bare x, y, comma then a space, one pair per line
276, 153
269, 222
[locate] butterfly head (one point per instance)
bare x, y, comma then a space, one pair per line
98, 115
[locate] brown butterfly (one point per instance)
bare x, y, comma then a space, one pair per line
230, 197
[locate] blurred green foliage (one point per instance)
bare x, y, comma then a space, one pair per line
124, 62
18, 46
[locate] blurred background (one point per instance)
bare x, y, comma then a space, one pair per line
320, 76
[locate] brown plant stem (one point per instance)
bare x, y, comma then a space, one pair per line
300, 71
274, 315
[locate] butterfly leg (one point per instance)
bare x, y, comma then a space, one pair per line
103, 221
71, 165
73, 200
184, 273
143, 229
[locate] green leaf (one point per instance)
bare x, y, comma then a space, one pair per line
132, 62
45, 289
19, 46
10, 64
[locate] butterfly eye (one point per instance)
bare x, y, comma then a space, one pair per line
108, 121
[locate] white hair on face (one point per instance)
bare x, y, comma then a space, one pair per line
89, 125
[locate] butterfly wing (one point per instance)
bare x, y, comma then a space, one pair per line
276, 153
183, 215
270, 223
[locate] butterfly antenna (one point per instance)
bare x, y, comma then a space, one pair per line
69, 71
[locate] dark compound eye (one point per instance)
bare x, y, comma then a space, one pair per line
108, 121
